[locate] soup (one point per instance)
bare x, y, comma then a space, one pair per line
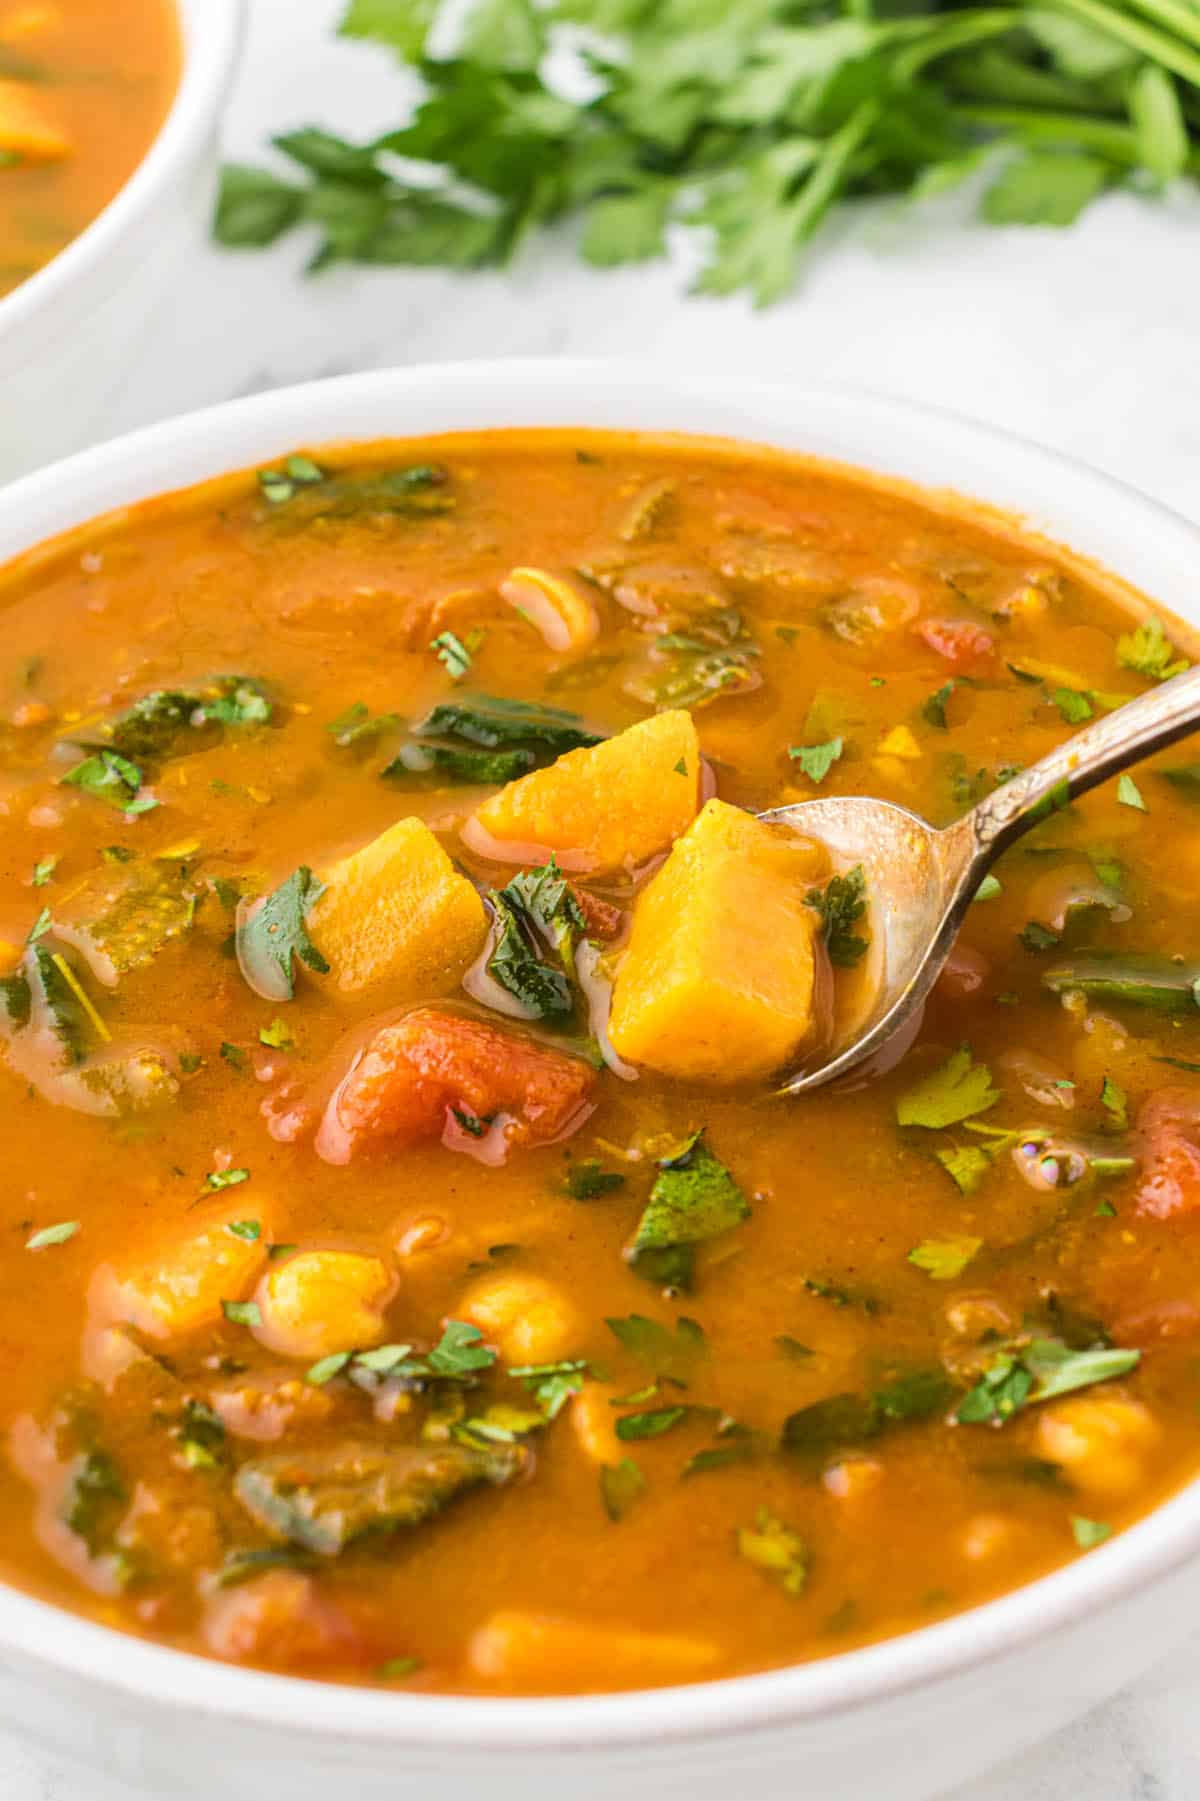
413, 1274
84, 87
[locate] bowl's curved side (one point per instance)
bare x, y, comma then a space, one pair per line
68, 333
929, 1707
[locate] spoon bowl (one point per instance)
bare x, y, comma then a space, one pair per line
919, 881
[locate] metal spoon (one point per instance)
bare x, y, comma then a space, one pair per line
920, 881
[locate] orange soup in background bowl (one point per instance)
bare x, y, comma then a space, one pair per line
108, 110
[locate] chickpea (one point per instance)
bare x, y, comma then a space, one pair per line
1100, 1441
527, 1318
323, 1301
182, 1289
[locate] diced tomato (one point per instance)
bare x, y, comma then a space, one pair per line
962, 643
601, 919
1168, 1127
420, 1073
963, 974
1157, 1323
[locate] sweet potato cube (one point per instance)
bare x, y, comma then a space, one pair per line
717, 983
603, 809
26, 128
398, 916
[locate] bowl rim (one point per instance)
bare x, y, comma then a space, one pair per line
588, 394
210, 37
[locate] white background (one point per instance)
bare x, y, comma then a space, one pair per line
1088, 340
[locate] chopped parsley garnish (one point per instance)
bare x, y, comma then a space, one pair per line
653, 1423
201, 1436
1088, 1533
113, 778
838, 1294
1038, 1371
1074, 705
43, 870
248, 1229
792, 1347
1130, 795
242, 1313
40, 926
552, 1385
277, 1036
966, 1165
226, 1178
957, 1090
357, 726
841, 904
694, 1198
587, 1180
666, 1353
279, 485
988, 889
235, 1056
50, 1235
776, 1549
397, 1668
944, 1258
276, 935
620, 1486
816, 760
933, 710
1150, 652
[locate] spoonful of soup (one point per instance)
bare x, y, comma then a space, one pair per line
920, 881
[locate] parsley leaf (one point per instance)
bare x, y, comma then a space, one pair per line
694, 1198
776, 1549
1037, 1372
944, 1258
966, 1166
50, 1235
113, 778
270, 938
667, 1354
1149, 651
841, 904
621, 1484
816, 760
1088, 1533
1130, 795
957, 1090
587, 1180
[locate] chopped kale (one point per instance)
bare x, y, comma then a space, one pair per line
497, 723
544, 993
325, 1500
1163, 984
465, 766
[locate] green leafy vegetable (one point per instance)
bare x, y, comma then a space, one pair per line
966, 1166
933, 711
201, 1436
1036, 937
552, 1385
1150, 652
847, 1419
493, 766
841, 904
279, 485
668, 1354
248, 1229
1074, 706
269, 940
226, 1178
358, 726
498, 723
957, 1090
988, 889
43, 870
816, 760
694, 1198
544, 993
1115, 1102
1163, 984
242, 1313
277, 1036
651, 1424
455, 656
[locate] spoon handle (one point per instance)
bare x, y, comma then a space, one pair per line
1110, 744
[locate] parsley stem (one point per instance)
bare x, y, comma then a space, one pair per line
1117, 142
1145, 38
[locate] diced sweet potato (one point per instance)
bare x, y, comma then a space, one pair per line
718, 981
181, 1289
599, 810
535, 1652
430, 1067
398, 915
27, 129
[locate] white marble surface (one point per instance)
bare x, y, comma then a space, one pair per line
1088, 340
